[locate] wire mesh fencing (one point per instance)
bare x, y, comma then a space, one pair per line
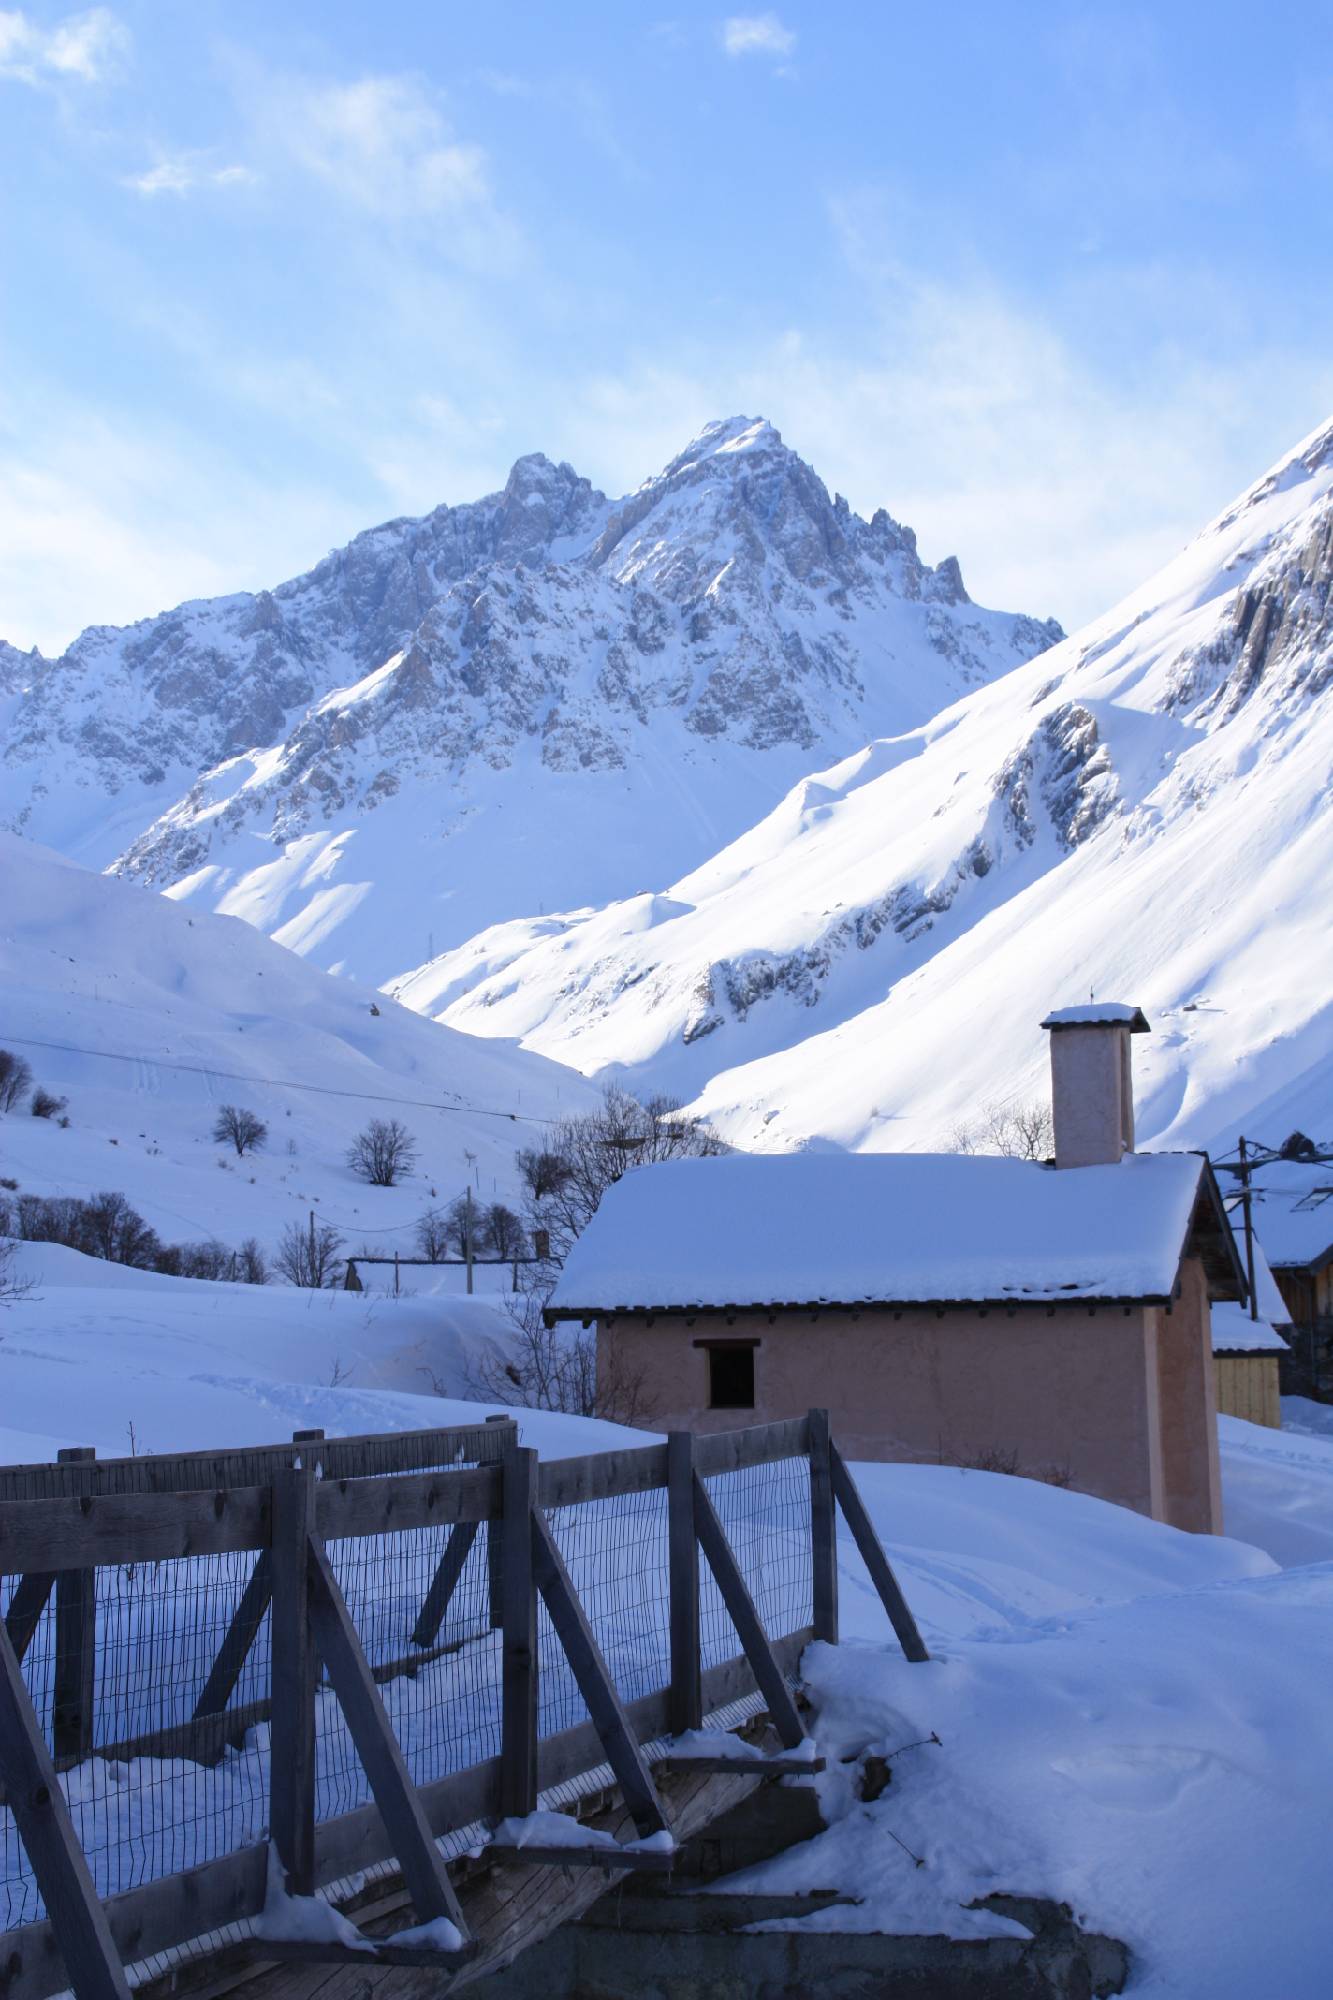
171, 1768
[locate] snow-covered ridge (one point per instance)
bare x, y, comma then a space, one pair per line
539, 698
147, 1018
1144, 810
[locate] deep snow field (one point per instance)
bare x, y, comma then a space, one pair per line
1131, 1719
148, 1017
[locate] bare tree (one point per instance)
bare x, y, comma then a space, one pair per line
12, 1287
251, 1264
15, 1079
309, 1257
45, 1105
205, 1260
114, 1230
501, 1230
235, 1126
585, 1156
1023, 1131
555, 1368
383, 1153
433, 1234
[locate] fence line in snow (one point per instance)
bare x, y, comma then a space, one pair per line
363, 1647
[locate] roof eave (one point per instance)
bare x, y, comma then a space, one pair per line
553, 1314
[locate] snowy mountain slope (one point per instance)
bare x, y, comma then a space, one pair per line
541, 698
159, 1016
1143, 812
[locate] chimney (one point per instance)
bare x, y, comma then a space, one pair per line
1092, 1088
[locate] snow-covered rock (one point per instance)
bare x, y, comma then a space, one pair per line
541, 698
1142, 813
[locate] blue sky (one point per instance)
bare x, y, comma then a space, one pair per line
1049, 282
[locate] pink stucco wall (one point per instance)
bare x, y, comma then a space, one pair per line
1121, 1401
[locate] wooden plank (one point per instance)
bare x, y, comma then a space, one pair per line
594, 1680
159, 1915
444, 1582
617, 1860
351, 1507
757, 1444
683, 1584
238, 1638
740, 1608
26, 1605
154, 1917
74, 1677
107, 1529
294, 1670
759, 1767
823, 1529
519, 1664
382, 1759
293, 1952
255, 1465
601, 1475
875, 1560
47, 1832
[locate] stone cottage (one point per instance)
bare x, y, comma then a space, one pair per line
1053, 1317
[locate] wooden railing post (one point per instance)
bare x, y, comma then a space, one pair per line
518, 1745
823, 1530
294, 1672
494, 1555
75, 1685
686, 1704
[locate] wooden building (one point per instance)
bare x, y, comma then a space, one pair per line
1050, 1318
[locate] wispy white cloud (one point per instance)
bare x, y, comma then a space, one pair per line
382, 143
89, 47
185, 173
757, 35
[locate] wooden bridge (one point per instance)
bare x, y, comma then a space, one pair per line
242, 1691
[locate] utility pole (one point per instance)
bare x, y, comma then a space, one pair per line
467, 1211
1247, 1207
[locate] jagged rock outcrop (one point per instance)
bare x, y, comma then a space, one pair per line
683, 652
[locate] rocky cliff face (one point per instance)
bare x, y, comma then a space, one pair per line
538, 697
1143, 812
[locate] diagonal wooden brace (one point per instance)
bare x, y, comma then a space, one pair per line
444, 1582
33, 1794
848, 1497
399, 1802
741, 1610
594, 1680
238, 1638
29, 1601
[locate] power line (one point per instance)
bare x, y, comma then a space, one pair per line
286, 1082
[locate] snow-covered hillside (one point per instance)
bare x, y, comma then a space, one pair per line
147, 1017
541, 699
1144, 813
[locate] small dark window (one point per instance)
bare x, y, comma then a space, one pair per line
731, 1377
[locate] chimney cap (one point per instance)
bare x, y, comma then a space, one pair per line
1099, 1014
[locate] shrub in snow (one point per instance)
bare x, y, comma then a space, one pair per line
44, 1105
15, 1079
383, 1153
236, 1126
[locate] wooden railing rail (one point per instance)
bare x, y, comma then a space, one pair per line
318, 1492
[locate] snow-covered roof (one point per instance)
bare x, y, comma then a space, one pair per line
1234, 1332
1099, 1014
811, 1229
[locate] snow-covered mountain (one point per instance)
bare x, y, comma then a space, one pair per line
541, 699
1144, 812
148, 1017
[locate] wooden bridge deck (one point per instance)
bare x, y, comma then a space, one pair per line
559, 1543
